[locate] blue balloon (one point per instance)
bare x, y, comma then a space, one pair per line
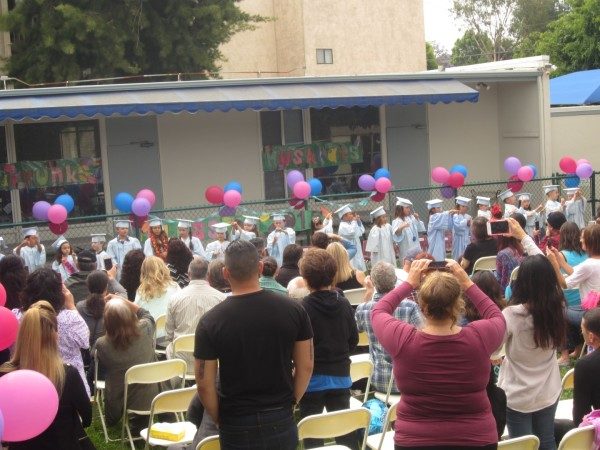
123, 202
233, 185
316, 187
382, 173
572, 182
459, 168
534, 169
66, 200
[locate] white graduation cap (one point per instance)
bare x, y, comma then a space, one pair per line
33, 231
122, 223
98, 237
434, 203
377, 212
403, 202
184, 223
155, 222
220, 227
483, 201
571, 191
252, 220
524, 196
343, 210
462, 201
278, 217
505, 194
549, 188
58, 242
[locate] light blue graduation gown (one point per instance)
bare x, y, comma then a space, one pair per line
461, 236
381, 245
575, 210
352, 231
32, 258
409, 237
436, 230
117, 249
275, 248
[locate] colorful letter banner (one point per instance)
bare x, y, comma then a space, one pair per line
303, 156
43, 174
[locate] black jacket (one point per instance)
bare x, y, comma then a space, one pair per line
335, 332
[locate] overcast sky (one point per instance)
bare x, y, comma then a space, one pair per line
439, 23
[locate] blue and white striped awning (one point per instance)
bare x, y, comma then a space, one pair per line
161, 98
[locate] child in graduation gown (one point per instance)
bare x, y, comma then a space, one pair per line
406, 228
380, 241
483, 207
531, 215
510, 202
158, 240
248, 231
216, 249
575, 207
122, 244
98, 241
461, 227
184, 230
439, 222
351, 229
279, 238
65, 262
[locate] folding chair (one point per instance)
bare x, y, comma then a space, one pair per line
99, 386
160, 323
209, 443
363, 341
150, 373
528, 442
334, 424
485, 263
175, 401
355, 296
578, 439
385, 439
388, 398
185, 344
564, 409
358, 371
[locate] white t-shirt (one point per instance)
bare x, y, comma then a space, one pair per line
585, 276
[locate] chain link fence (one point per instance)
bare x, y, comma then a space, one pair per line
81, 228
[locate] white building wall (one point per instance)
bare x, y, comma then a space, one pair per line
575, 133
199, 150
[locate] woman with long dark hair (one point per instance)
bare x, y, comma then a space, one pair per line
536, 328
179, 257
131, 272
13, 275
92, 308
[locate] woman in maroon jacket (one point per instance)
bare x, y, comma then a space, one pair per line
443, 369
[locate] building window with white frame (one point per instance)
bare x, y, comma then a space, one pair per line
324, 56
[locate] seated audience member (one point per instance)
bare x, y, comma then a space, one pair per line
129, 340
383, 279
261, 246
92, 308
289, 268
179, 257
554, 221
346, 277
586, 395
86, 264
267, 280
131, 272
297, 289
156, 287
486, 281
37, 349
483, 244
186, 307
335, 337
510, 253
215, 277
13, 275
73, 333
320, 240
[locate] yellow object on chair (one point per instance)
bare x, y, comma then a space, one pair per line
168, 431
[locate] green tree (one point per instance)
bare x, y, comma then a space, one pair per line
58, 40
430, 55
471, 48
531, 18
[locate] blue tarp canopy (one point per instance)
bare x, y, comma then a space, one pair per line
577, 88
194, 96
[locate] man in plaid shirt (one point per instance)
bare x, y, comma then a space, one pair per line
383, 279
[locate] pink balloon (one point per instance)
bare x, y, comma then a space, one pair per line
29, 403
2, 295
456, 180
214, 194
9, 326
148, 195
57, 214
567, 164
383, 185
525, 173
440, 175
141, 207
514, 184
584, 171
301, 190
232, 198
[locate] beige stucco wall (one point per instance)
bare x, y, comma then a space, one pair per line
197, 150
575, 134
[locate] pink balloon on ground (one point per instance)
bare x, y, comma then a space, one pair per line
525, 173
301, 190
512, 165
57, 214
233, 198
440, 175
29, 403
141, 207
148, 195
383, 185
567, 164
456, 180
584, 171
9, 327
2, 295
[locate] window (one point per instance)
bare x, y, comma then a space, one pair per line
57, 158
324, 56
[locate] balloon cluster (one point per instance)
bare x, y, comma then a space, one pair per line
229, 195
379, 183
56, 214
301, 188
578, 170
139, 206
451, 179
519, 172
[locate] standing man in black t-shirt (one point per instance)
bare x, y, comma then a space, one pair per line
263, 344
